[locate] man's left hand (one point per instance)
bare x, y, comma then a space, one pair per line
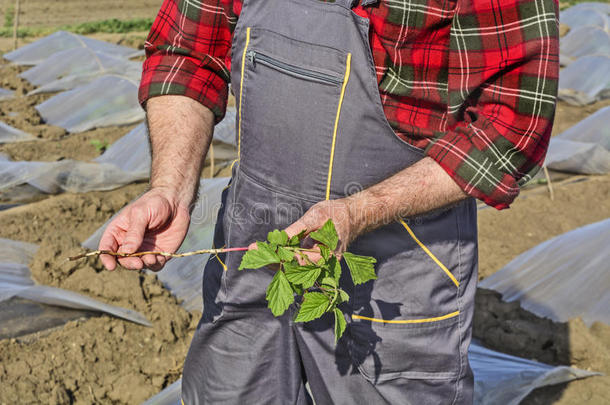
340, 213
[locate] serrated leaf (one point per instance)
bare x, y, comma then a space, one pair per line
314, 305
340, 324
296, 239
334, 268
326, 235
343, 296
255, 259
306, 276
329, 281
324, 252
279, 294
362, 268
277, 237
284, 254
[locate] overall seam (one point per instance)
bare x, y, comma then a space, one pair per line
459, 303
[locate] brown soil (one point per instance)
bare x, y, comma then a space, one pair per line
44, 13
107, 360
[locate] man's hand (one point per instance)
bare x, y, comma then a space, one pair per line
318, 215
154, 222
180, 131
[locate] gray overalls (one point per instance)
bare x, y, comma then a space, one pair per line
310, 127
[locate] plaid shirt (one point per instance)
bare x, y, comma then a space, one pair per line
472, 82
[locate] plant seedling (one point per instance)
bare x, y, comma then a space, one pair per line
317, 283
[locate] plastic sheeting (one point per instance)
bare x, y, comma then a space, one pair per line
38, 51
586, 80
585, 16
503, 379
169, 396
562, 278
585, 41
6, 94
499, 378
15, 281
10, 134
107, 101
65, 175
68, 69
224, 131
183, 276
583, 148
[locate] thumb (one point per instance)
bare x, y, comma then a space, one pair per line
296, 228
138, 223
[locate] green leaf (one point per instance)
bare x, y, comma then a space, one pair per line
343, 296
278, 238
334, 268
314, 305
340, 324
362, 268
279, 294
285, 254
329, 281
296, 239
326, 235
255, 259
324, 252
306, 276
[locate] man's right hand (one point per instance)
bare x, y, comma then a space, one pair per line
154, 222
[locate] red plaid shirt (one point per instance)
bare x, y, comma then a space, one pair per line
472, 82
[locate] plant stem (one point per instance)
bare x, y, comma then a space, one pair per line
166, 254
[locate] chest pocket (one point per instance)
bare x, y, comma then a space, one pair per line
290, 97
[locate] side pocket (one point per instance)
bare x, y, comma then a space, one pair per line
407, 323
387, 351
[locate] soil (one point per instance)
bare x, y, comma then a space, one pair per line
45, 13
101, 359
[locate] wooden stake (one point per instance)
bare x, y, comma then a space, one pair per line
211, 160
16, 22
548, 182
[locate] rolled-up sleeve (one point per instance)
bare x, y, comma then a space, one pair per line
188, 52
502, 87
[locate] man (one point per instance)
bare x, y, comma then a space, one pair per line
388, 117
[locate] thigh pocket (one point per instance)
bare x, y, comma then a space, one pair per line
290, 97
417, 349
407, 322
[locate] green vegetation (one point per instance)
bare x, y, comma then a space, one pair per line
105, 26
9, 17
100, 146
317, 282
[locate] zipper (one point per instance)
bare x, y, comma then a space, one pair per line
296, 71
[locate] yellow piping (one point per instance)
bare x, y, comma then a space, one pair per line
224, 266
425, 249
332, 149
436, 319
241, 91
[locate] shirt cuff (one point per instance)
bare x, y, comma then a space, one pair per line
182, 75
474, 170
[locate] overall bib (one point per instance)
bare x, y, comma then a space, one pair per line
310, 127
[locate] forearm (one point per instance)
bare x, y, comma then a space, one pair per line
420, 188
180, 131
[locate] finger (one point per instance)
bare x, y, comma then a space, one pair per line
131, 263
138, 222
156, 267
108, 242
296, 228
149, 261
162, 260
